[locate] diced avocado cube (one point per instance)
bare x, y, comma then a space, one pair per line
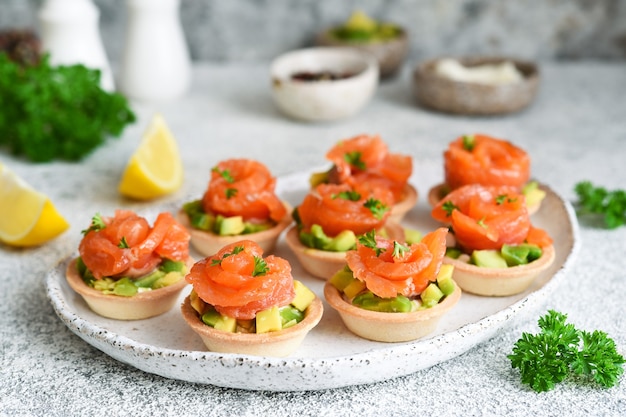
320, 239
268, 320
515, 254
367, 300
453, 253
250, 227
431, 295
202, 221
445, 272
230, 226
446, 286
289, 314
412, 236
172, 266
124, 287
488, 258
534, 252
290, 324
226, 324
196, 302
193, 207
533, 193
210, 316
148, 281
399, 304
342, 279
105, 285
168, 279
318, 178
343, 242
353, 288
304, 296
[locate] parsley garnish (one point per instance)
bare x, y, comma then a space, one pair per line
348, 195
260, 267
610, 205
481, 223
224, 174
504, 197
469, 142
354, 159
123, 243
57, 112
449, 207
231, 192
560, 350
399, 249
369, 241
97, 224
377, 208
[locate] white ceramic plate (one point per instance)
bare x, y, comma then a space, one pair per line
330, 356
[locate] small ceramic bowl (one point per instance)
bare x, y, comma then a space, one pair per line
323, 99
446, 95
207, 243
389, 327
140, 306
274, 344
390, 54
439, 191
324, 264
499, 281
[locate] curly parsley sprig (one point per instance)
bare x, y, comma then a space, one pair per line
560, 350
611, 205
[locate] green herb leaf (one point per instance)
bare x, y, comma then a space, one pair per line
97, 224
549, 357
354, 159
610, 205
123, 243
260, 267
348, 195
224, 174
481, 223
57, 112
236, 250
231, 192
377, 208
469, 142
449, 207
369, 241
399, 250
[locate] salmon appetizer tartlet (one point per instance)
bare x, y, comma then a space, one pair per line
391, 291
239, 203
129, 270
330, 218
485, 160
244, 303
365, 161
496, 250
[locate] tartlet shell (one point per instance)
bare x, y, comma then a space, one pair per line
389, 327
324, 264
207, 243
399, 210
499, 281
140, 306
272, 344
434, 196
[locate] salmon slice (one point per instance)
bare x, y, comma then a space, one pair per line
488, 161
243, 187
227, 280
126, 244
388, 274
339, 207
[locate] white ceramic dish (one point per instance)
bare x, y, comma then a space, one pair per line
325, 100
330, 356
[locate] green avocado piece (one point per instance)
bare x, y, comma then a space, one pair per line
124, 287
412, 236
148, 280
488, 258
290, 314
533, 193
172, 266
343, 242
520, 254
304, 296
431, 295
249, 227
453, 253
369, 301
269, 320
342, 279
229, 226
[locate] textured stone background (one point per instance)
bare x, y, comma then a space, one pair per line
248, 30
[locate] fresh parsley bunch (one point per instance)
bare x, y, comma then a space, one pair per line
56, 112
611, 205
560, 350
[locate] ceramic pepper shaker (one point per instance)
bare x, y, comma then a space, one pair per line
156, 64
70, 34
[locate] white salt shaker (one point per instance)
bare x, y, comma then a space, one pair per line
70, 34
155, 65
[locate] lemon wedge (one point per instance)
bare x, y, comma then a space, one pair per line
155, 169
27, 217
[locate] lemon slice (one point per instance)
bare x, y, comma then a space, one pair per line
27, 217
155, 169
